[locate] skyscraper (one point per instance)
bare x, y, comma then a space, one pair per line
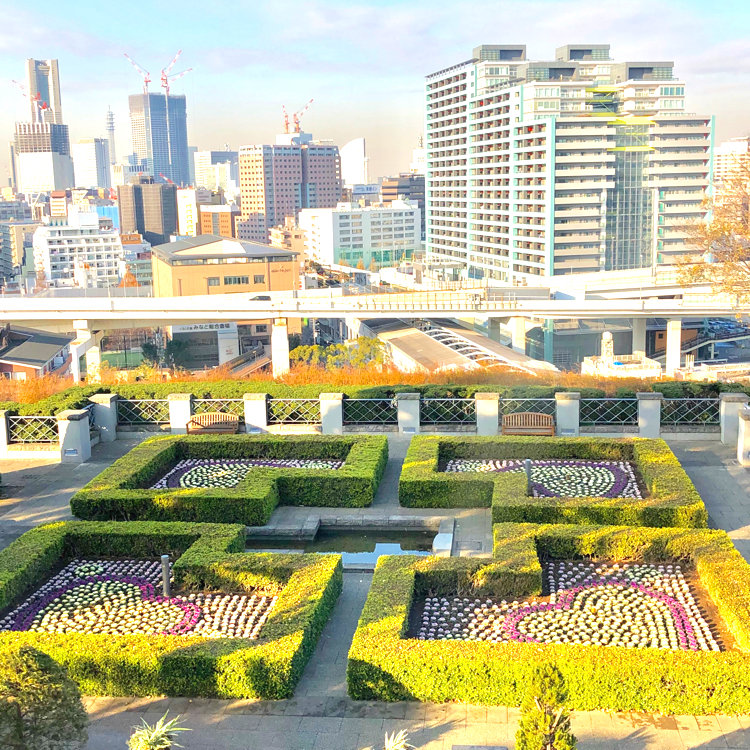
576, 164
159, 131
44, 91
111, 136
279, 180
354, 163
91, 163
149, 208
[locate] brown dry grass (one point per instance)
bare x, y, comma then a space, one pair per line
30, 391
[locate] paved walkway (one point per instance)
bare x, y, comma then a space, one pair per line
320, 715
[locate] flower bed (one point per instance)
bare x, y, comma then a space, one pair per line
121, 597
631, 481
314, 470
215, 472
388, 661
104, 621
628, 605
564, 478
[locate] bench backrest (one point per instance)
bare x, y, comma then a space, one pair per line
213, 417
528, 419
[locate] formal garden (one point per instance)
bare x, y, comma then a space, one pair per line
230, 624
234, 478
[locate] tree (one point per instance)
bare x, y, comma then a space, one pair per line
176, 353
545, 723
724, 239
40, 706
150, 353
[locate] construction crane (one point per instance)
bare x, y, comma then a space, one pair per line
36, 100
164, 177
298, 115
166, 77
286, 118
144, 73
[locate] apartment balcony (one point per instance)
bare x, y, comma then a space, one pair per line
597, 158
565, 225
599, 130
665, 181
592, 172
581, 212
576, 237
595, 143
663, 128
573, 200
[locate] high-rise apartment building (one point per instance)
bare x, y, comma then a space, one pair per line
44, 91
219, 219
355, 164
91, 163
188, 210
575, 164
77, 252
279, 180
159, 132
148, 208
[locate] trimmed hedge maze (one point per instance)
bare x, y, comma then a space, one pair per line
124, 492
670, 499
209, 558
387, 661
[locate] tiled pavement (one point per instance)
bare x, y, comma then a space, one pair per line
320, 715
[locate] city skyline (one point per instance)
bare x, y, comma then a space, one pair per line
364, 66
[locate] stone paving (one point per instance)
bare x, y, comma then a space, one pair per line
320, 716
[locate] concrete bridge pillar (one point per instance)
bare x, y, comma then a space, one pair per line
639, 335
279, 347
518, 334
674, 346
743, 438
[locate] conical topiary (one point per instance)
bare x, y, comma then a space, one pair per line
545, 723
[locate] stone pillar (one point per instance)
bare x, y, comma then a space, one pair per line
639, 335
4, 414
332, 413
743, 437
279, 347
568, 414
518, 334
180, 411
256, 412
487, 407
105, 415
75, 442
649, 414
730, 406
94, 361
408, 412
674, 346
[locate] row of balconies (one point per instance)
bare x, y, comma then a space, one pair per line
563, 199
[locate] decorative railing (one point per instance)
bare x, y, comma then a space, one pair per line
293, 411
690, 411
89, 409
514, 405
447, 411
370, 411
33, 429
142, 411
608, 411
234, 406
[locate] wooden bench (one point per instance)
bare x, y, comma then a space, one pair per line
213, 422
528, 423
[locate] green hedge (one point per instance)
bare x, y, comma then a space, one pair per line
385, 665
211, 557
77, 396
120, 491
671, 500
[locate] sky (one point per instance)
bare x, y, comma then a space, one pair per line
362, 62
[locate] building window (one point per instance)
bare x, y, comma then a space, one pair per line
261, 329
234, 280
213, 280
259, 279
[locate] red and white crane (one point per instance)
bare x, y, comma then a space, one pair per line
298, 115
36, 100
144, 73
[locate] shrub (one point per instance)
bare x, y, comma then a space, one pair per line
210, 557
40, 706
545, 724
121, 491
671, 499
384, 664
